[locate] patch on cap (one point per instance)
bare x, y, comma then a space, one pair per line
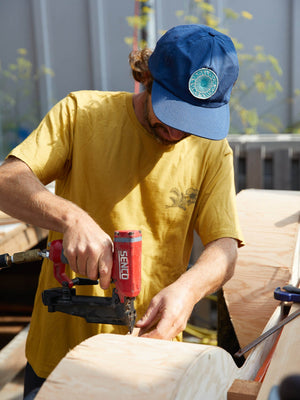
203, 83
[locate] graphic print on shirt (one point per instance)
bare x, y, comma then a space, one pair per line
182, 200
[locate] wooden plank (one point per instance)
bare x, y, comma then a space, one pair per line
13, 390
12, 357
243, 390
11, 329
285, 360
282, 169
270, 223
111, 367
7, 219
13, 324
14, 319
21, 238
255, 167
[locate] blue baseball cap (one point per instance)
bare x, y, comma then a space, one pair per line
194, 68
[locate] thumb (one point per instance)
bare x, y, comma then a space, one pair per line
151, 316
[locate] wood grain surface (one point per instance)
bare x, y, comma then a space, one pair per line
12, 357
270, 223
114, 367
6, 219
22, 237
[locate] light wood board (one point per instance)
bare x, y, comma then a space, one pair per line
243, 390
20, 238
6, 219
270, 223
114, 367
12, 358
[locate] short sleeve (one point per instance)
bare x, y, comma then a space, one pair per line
48, 149
217, 214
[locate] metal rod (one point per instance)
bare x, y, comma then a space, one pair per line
275, 328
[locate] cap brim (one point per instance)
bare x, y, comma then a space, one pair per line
210, 123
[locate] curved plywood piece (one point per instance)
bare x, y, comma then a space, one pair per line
112, 367
270, 223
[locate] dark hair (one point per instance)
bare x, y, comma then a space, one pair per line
138, 61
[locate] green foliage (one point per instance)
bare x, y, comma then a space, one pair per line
18, 111
259, 72
139, 23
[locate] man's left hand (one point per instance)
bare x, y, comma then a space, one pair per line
170, 309
167, 313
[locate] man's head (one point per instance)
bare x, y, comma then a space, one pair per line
194, 68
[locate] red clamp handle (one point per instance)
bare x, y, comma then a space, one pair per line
57, 257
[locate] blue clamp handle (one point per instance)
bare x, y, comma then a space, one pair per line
290, 293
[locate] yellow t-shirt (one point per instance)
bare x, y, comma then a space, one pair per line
102, 159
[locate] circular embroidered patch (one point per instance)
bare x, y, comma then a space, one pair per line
203, 83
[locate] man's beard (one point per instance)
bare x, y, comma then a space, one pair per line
154, 128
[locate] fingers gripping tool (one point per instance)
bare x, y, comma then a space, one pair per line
126, 276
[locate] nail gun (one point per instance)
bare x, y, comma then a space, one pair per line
126, 275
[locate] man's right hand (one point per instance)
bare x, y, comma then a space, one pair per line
89, 250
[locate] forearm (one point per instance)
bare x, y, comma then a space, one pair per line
24, 197
212, 270
172, 306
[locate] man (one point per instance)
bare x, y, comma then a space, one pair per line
157, 161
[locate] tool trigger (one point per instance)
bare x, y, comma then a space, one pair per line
84, 281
